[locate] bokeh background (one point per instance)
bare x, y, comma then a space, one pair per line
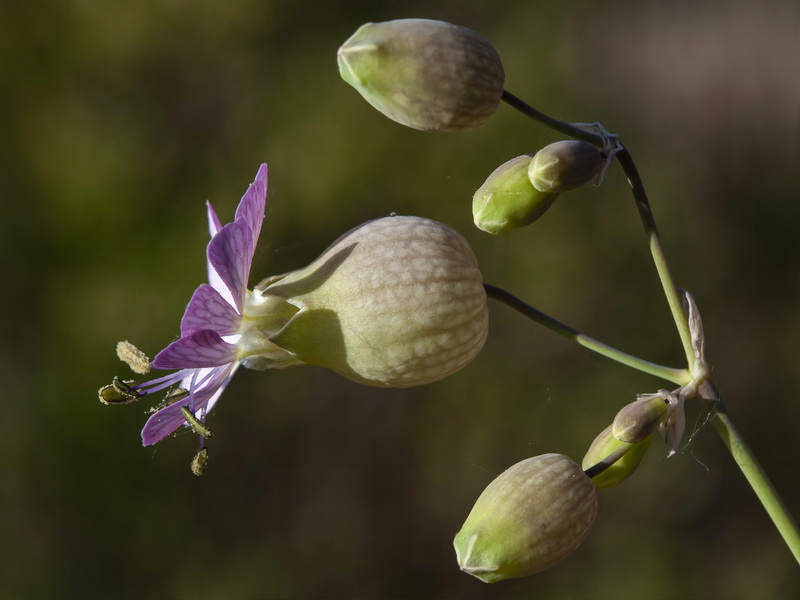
119, 119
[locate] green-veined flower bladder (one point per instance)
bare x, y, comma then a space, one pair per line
425, 74
530, 517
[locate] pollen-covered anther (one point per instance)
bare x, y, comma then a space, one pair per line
118, 392
199, 462
196, 424
174, 395
133, 357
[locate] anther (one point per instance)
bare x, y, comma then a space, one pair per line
118, 392
196, 424
200, 461
133, 357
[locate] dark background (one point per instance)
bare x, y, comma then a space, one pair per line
120, 119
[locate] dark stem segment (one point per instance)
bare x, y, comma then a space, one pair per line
642, 203
657, 251
608, 461
560, 126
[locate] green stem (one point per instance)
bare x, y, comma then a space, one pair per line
758, 480
642, 204
657, 252
677, 376
741, 453
548, 121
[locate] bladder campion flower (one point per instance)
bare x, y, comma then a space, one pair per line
395, 302
208, 352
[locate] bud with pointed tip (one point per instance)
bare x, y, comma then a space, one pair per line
623, 456
507, 199
565, 165
639, 419
530, 517
428, 75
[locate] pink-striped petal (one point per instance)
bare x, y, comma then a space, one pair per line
253, 204
203, 348
230, 254
170, 418
214, 224
207, 309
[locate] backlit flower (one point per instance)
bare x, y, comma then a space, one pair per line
395, 302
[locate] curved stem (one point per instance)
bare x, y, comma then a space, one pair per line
758, 480
657, 252
739, 450
642, 204
677, 376
560, 126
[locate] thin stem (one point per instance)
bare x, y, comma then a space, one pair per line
747, 462
657, 252
677, 376
758, 480
560, 126
642, 204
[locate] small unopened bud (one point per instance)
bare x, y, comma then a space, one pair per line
565, 165
429, 75
610, 461
532, 516
639, 419
507, 199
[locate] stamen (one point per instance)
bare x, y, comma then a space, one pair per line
133, 357
156, 385
174, 395
118, 392
200, 461
196, 424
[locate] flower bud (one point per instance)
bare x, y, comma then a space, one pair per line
529, 518
507, 199
606, 445
396, 302
639, 419
428, 75
565, 165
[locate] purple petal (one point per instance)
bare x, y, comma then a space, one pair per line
230, 254
212, 399
214, 224
170, 418
209, 310
163, 422
253, 203
203, 348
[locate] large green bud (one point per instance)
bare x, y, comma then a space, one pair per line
429, 75
507, 199
566, 165
395, 302
532, 516
620, 459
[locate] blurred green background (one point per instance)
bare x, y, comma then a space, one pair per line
119, 119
